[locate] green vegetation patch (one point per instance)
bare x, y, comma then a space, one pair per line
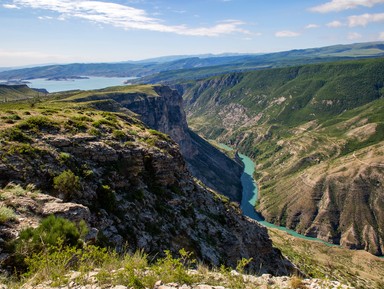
38, 123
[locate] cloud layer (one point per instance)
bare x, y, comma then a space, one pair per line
363, 20
125, 17
340, 5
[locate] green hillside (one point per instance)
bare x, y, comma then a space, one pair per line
17, 92
316, 133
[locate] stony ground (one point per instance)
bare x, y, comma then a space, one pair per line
265, 281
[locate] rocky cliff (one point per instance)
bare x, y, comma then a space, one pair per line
162, 109
130, 183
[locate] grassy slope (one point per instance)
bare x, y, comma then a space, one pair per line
16, 92
358, 268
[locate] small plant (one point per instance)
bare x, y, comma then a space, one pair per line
24, 149
64, 157
296, 282
119, 135
66, 183
75, 126
6, 214
107, 198
159, 134
169, 269
94, 131
105, 122
15, 189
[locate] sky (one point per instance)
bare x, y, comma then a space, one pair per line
66, 31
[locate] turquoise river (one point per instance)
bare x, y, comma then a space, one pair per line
250, 195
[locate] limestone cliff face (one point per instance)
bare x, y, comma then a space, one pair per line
132, 188
163, 111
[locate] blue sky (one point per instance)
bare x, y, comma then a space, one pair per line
65, 31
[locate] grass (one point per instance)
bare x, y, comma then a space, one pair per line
6, 214
55, 265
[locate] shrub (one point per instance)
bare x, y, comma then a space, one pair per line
50, 231
37, 123
75, 125
119, 135
15, 134
66, 183
107, 198
64, 157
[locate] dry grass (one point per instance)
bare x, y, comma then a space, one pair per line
357, 268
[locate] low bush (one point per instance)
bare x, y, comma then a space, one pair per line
38, 123
67, 183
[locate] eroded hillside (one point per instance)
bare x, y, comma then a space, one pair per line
316, 134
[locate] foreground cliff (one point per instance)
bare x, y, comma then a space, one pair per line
316, 134
128, 182
161, 108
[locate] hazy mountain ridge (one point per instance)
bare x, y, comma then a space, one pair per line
316, 134
195, 67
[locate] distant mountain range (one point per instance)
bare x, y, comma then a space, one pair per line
171, 68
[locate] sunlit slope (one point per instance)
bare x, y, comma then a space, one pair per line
316, 133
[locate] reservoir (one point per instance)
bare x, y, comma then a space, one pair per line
83, 83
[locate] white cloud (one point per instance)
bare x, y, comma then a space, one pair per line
311, 26
381, 36
364, 19
10, 6
126, 17
286, 33
354, 36
335, 24
340, 5
45, 17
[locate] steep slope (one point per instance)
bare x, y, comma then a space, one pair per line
161, 108
316, 134
129, 182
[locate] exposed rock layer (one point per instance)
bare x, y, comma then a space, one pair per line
135, 184
164, 111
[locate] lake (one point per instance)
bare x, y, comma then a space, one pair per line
89, 83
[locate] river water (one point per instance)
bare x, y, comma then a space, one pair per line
250, 196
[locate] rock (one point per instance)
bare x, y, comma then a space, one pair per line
70, 211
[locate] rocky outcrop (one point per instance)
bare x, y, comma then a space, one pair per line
133, 186
163, 111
